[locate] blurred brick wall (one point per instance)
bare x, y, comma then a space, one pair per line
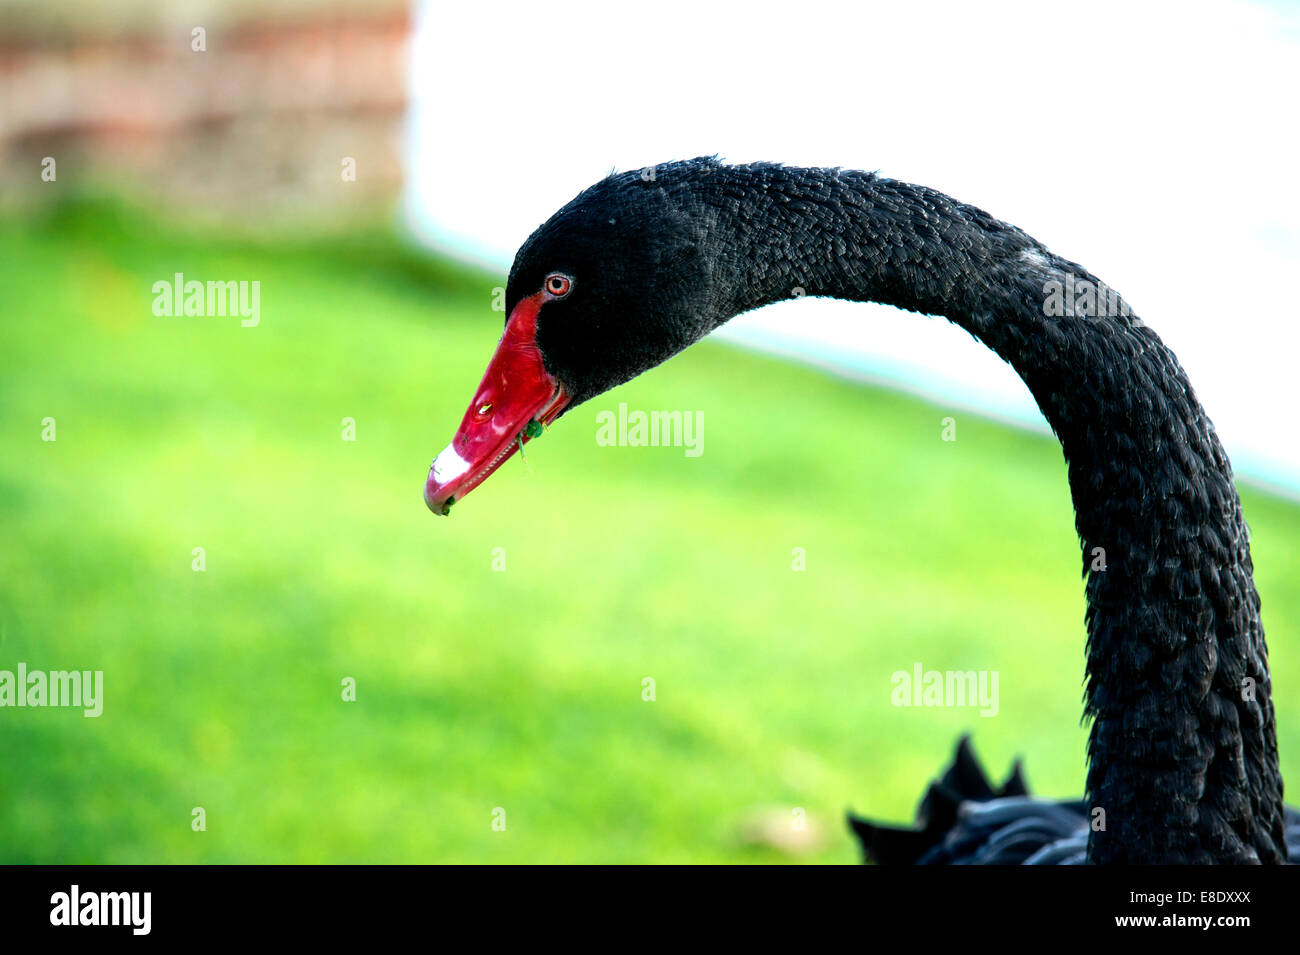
255, 127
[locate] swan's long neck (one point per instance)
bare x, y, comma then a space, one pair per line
1183, 755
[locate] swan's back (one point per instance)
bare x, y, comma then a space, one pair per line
964, 820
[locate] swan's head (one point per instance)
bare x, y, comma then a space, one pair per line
614, 283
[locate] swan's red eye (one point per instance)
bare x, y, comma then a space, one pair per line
558, 285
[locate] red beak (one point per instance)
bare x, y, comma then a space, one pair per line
516, 391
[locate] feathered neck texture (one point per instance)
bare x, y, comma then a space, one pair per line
1182, 751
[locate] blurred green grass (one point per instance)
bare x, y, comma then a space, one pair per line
477, 688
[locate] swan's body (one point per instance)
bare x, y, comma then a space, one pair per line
1183, 755
963, 820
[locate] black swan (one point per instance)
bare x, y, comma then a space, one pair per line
1182, 750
